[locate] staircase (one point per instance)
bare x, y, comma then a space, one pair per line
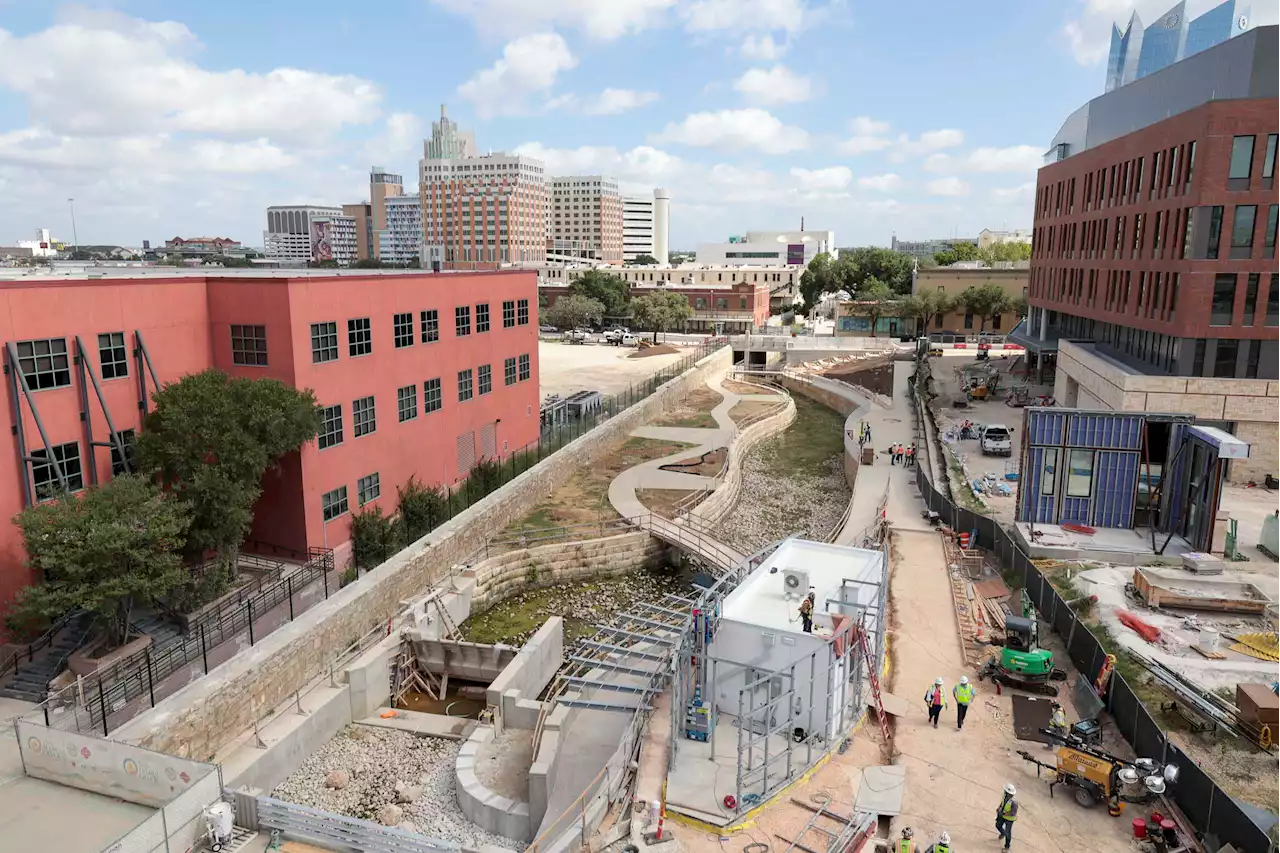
156, 626
31, 682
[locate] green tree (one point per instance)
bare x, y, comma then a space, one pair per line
858, 266
572, 311
102, 551
818, 278
422, 508
925, 307
211, 437
609, 290
985, 301
660, 311
957, 253
1012, 252
1021, 306
874, 300
227, 261
370, 264
644, 260
373, 537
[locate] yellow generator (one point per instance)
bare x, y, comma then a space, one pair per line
1098, 777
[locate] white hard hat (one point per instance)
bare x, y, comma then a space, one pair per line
964, 679
1010, 790
945, 837
938, 681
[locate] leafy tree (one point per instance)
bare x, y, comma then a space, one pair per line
874, 300
211, 437
370, 264
1021, 307
985, 301
422, 508
373, 537
818, 278
572, 311
644, 260
873, 263
957, 253
227, 261
1012, 251
660, 311
609, 290
102, 551
485, 477
926, 307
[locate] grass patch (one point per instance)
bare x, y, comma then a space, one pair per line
750, 409
694, 411
805, 447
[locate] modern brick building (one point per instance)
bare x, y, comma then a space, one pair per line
420, 375
1153, 278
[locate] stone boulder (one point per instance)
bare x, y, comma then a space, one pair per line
337, 780
390, 815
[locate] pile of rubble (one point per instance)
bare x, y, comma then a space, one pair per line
771, 507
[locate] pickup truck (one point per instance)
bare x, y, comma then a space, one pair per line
996, 440
616, 334
576, 336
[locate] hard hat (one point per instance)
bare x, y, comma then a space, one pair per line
938, 681
964, 679
1010, 790
944, 838
907, 833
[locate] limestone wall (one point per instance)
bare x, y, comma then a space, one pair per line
725, 497
211, 711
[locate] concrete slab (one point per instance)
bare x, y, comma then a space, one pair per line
895, 705
881, 790
418, 723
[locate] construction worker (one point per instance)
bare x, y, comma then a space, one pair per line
942, 845
911, 456
806, 613
963, 693
905, 844
1057, 722
1006, 814
936, 698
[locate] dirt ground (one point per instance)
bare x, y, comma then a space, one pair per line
749, 409
708, 464
663, 501
694, 411
742, 387
565, 368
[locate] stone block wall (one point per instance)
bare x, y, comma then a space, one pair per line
725, 497
211, 711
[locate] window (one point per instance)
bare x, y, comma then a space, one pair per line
1241, 163
359, 337
432, 396
324, 342
1224, 299
1215, 232
522, 312
1079, 473
1252, 357
112, 355
1191, 165
1269, 163
407, 402
1197, 360
508, 313
482, 317
699, 303
363, 416
44, 363
1251, 298
430, 326
968, 320
509, 371
464, 385
402, 328
118, 460
1048, 471
1269, 242
1273, 302
722, 303
249, 345
995, 321
742, 303
525, 372
485, 377
1242, 231
462, 320
45, 475
368, 488
1224, 359
334, 504
330, 426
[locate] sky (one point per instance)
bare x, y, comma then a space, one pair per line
166, 118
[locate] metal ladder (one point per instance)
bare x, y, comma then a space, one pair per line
449, 628
874, 677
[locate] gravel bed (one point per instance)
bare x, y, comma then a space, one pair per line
374, 762
771, 507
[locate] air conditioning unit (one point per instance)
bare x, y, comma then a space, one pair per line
795, 583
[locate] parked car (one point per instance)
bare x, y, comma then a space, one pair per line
996, 440
576, 336
547, 330
616, 334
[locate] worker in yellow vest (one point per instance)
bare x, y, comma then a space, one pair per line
942, 845
1006, 814
905, 844
963, 693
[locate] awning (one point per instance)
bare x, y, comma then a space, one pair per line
1227, 445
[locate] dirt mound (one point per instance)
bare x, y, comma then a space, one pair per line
655, 349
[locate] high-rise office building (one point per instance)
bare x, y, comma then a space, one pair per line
301, 234
479, 212
362, 213
586, 218
401, 241
1138, 51
382, 185
637, 227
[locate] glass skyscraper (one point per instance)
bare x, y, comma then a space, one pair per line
1139, 51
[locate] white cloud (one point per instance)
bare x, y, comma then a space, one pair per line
880, 183
45, 150
833, 178
867, 126
762, 48
401, 137
608, 103
529, 65
947, 187
931, 140
1019, 195
777, 85
601, 20
753, 129
107, 74
1014, 158
638, 168
745, 15
856, 145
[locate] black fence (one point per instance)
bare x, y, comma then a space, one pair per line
1216, 816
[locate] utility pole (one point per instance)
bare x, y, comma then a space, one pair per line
75, 239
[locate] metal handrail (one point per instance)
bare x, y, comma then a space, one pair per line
38, 643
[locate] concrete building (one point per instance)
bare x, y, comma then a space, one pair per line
382, 186
1139, 51
400, 241
43, 246
586, 219
1153, 279
662, 225
408, 389
924, 250
769, 248
361, 214
954, 281
988, 238
637, 227
302, 234
202, 247
483, 211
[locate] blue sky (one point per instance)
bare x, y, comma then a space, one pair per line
172, 118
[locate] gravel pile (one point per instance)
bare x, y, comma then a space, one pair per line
771, 507
371, 773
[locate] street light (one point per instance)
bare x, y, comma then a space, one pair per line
75, 239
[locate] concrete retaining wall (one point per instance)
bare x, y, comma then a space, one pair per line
515, 691
207, 714
468, 661
484, 806
725, 497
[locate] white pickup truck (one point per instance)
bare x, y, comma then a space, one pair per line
996, 440
616, 334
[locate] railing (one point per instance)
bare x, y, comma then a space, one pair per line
10, 665
306, 824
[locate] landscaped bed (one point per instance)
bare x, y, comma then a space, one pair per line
694, 411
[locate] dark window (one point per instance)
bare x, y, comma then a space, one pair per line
1269, 162
430, 326
1269, 241
432, 396
1252, 356
249, 345
368, 488
334, 504
1224, 299
508, 313
1224, 360
482, 317
330, 426
722, 303
44, 363
407, 402
995, 321
462, 320
45, 477
1197, 361
1079, 473
1273, 301
402, 328
465, 390
1241, 163
324, 342
1242, 231
118, 461
525, 372
484, 377
1251, 298
742, 302
522, 312
364, 417
359, 337
968, 320
113, 356
1191, 165
1215, 232
1048, 471
509, 371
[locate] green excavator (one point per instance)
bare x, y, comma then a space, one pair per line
1022, 663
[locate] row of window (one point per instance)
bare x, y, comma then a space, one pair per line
1220, 358
470, 384
334, 503
1172, 232
324, 336
45, 362
1225, 288
44, 473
